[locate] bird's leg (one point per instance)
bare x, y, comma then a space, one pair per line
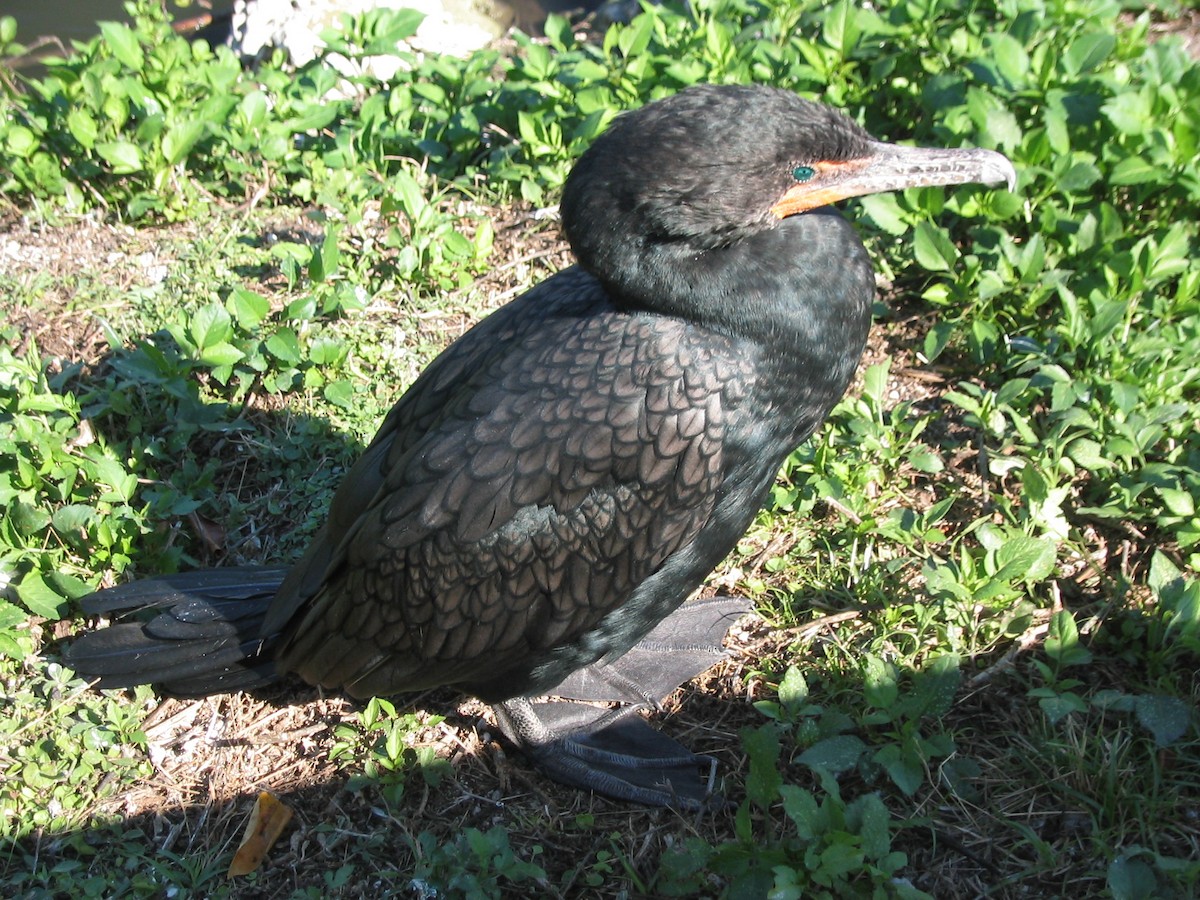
614, 751
680, 647
617, 754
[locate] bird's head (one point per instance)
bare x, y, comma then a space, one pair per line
713, 164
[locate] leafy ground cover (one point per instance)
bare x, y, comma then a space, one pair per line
975, 668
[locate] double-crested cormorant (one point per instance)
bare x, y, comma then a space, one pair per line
563, 476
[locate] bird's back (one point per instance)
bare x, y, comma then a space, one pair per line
543, 494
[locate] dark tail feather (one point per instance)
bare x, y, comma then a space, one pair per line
190, 634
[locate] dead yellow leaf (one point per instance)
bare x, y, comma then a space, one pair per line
267, 821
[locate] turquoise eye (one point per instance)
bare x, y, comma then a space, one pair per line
803, 173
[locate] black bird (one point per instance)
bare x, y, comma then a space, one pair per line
564, 475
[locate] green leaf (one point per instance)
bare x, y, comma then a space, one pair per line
1163, 573
1134, 170
634, 38
801, 807
1062, 641
1026, 559
935, 686
1167, 718
870, 818
1088, 455
1059, 706
1129, 112
839, 25
82, 127
114, 474
885, 211
73, 517
880, 687
179, 140
20, 141
1078, 178
933, 248
405, 196
11, 615
324, 262
925, 460
124, 44
1178, 503
284, 345
1088, 51
340, 393
122, 156
221, 353
248, 307
39, 598
1009, 56
763, 779
210, 325
793, 689
834, 754
906, 771
1131, 879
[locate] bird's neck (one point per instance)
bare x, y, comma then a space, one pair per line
799, 295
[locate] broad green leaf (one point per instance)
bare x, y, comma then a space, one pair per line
1167, 718
1134, 170
905, 770
340, 393
884, 210
11, 615
248, 307
1062, 641
1078, 178
1026, 559
879, 682
839, 25
20, 141
925, 460
405, 196
1010, 58
114, 474
1178, 503
39, 598
801, 807
123, 43
763, 780
635, 37
254, 108
1088, 454
870, 818
284, 345
936, 685
1131, 879
324, 261
1162, 572
220, 354
179, 140
1088, 51
124, 157
793, 689
834, 754
1058, 706
933, 248
209, 326
1130, 112
83, 127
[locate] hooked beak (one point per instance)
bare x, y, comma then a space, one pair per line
889, 167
